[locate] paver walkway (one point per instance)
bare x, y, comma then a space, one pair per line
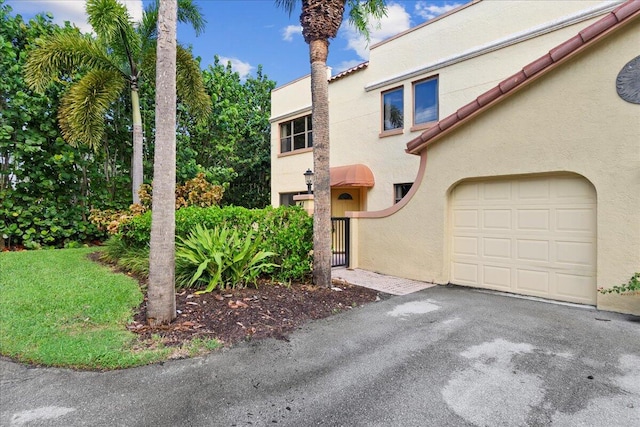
380, 282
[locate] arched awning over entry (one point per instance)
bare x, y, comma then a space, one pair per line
351, 176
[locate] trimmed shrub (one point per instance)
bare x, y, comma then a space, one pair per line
285, 231
219, 258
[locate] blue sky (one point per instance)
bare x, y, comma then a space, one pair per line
253, 32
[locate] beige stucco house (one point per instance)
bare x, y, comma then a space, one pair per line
526, 183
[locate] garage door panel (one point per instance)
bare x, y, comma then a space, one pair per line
466, 193
576, 288
496, 247
532, 281
575, 220
465, 218
535, 236
497, 276
497, 219
465, 274
574, 189
532, 250
465, 246
575, 253
536, 189
497, 191
533, 219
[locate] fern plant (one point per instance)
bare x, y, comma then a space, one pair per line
219, 258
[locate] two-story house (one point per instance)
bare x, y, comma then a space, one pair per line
512, 197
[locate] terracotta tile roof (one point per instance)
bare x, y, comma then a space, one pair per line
622, 14
350, 71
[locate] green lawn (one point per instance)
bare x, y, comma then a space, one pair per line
58, 308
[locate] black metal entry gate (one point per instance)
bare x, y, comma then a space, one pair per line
340, 244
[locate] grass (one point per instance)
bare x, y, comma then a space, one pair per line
58, 308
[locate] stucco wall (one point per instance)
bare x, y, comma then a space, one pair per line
288, 102
569, 120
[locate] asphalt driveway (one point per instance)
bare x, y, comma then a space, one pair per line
439, 357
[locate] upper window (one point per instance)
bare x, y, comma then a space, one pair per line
425, 101
296, 134
392, 109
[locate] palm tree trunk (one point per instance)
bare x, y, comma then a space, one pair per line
161, 307
136, 159
319, 49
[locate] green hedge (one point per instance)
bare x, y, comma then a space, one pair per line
287, 231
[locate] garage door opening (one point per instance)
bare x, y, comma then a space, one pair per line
526, 235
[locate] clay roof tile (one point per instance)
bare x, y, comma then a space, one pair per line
468, 109
566, 48
538, 65
510, 82
626, 9
448, 121
598, 27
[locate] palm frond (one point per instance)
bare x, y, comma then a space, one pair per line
188, 13
362, 13
60, 56
114, 27
288, 5
190, 86
83, 106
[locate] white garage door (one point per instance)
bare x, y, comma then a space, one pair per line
533, 236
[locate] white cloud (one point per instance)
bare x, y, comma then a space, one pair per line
240, 67
291, 30
429, 11
396, 21
69, 10
345, 65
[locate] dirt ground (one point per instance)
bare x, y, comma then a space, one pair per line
272, 310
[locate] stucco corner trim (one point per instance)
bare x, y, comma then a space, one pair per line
402, 203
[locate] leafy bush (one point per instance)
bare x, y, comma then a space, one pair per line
130, 258
198, 192
285, 231
195, 192
631, 287
219, 258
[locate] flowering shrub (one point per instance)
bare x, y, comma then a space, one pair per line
195, 192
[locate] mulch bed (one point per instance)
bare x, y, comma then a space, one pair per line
272, 310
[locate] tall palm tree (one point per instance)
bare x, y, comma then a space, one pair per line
120, 54
320, 20
161, 307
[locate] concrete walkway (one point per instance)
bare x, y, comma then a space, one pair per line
380, 282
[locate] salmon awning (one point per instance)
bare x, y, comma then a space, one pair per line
351, 176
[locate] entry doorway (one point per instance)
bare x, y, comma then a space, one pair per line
344, 200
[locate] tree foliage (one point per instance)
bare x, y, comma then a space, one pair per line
120, 55
46, 185
233, 148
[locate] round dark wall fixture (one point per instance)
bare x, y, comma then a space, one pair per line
628, 81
